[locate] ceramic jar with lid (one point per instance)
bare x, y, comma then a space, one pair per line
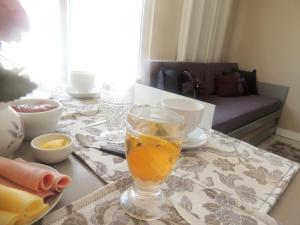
11, 130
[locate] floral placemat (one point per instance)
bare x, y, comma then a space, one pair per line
249, 174
225, 165
210, 207
240, 170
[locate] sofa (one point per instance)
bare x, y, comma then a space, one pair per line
251, 118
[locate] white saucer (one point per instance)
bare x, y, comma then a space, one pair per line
76, 94
195, 139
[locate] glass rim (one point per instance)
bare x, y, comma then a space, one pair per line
180, 119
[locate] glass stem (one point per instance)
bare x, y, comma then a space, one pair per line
147, 190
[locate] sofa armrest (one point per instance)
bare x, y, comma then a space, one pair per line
273, 90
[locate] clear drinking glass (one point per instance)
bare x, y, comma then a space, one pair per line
116, 101
153, 144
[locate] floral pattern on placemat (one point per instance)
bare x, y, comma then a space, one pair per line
240, 170
227, 166
210, 207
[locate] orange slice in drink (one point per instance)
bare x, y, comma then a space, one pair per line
151, 158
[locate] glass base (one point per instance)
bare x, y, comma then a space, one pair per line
114, 136
143, 205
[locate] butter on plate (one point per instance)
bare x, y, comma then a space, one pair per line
54, 144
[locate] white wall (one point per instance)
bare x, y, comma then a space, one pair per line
266, 36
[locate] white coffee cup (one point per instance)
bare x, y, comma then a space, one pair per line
190, 109
82, 81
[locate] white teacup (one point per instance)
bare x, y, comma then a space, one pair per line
191, 110
82, 81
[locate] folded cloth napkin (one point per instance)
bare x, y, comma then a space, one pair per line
19, 206
204, 206
209, 206
87, 110
22, 175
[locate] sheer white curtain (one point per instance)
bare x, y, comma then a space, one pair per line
105, 38
203, 29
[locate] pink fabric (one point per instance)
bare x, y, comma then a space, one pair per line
26, 175
44, 194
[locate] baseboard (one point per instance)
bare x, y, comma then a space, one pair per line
288, 134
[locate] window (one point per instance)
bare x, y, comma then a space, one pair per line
102, 37
105, 37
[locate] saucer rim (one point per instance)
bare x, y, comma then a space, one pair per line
92, 94
72, 90
201, 142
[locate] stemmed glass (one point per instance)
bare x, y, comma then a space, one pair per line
153, 144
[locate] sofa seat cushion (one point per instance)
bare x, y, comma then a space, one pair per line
234, 112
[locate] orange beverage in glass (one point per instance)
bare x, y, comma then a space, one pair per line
153, 145
151, 158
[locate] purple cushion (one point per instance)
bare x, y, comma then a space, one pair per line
216, 68
242, 85
227, 85
169, 80
250, 80
234, 112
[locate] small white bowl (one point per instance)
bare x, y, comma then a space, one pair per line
38, 123
51, 155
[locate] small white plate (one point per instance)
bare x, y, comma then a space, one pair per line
195, 139
76, 94
51, 201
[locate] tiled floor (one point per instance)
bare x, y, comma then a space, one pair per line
272, 139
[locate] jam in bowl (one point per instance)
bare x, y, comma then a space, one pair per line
25, 108
39, 116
